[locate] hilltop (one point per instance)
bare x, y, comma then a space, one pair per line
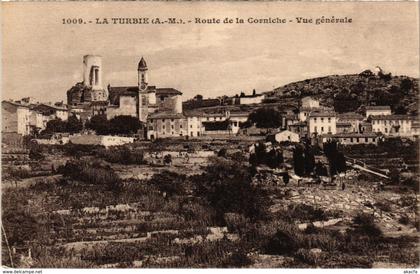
353, 91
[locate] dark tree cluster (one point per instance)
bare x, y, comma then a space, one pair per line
72, 125
265, 118
123, 124
272, 158
226, 187
303, 160
336, 159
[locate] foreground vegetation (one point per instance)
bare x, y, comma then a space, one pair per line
218, 218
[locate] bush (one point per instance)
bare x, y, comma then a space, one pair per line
170, 183
226, 186
91, 173
122, 155
365, 225
404, 220
237, 259
283, 243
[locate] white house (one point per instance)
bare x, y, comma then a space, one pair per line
393, 125
377, 110
286, 135
322, 123
309, 102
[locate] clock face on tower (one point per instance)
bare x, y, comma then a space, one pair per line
143, 86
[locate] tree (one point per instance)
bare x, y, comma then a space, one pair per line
56, 125
74, 125
222, 153
309, 163
169, 182
298, 161
320, 169
226, 186
336, 158
124, 124
167, 159
266, 118
99, 123
406, 85
198, 97
394, 176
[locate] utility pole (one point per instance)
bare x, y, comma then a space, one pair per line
8, 247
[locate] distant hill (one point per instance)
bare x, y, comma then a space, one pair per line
354, 91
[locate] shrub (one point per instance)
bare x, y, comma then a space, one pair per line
170, 183
167, 159
237, 259
91, 173
404, 220
283, 243
122, 155
226, 186
365, 225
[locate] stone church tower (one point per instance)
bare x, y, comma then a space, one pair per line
92, 77
143, 91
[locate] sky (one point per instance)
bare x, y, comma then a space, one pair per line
42, 57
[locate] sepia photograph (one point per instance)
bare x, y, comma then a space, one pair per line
178, 135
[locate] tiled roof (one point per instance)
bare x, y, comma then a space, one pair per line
166, 115
355, 135
167, 91
393, 117
239, 114
13, 103
322, 114
343, 124
349, 116
378, 108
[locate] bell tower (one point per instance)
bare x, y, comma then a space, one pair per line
142, 75
142, 84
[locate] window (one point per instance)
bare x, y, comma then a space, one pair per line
366, 139
315, 119
329, 129
357, 139
386, 130
192, 134
351, 140
329, 120
322, 120
172, 126
163, 127
315, 129
172, 120
190, 126
322, 129
180, 126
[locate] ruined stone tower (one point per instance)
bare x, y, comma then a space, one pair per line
92, 76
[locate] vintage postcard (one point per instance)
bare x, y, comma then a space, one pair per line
210, 135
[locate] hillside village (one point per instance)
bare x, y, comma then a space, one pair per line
317, 173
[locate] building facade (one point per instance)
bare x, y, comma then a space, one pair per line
377, 110
392, 125
322, 123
